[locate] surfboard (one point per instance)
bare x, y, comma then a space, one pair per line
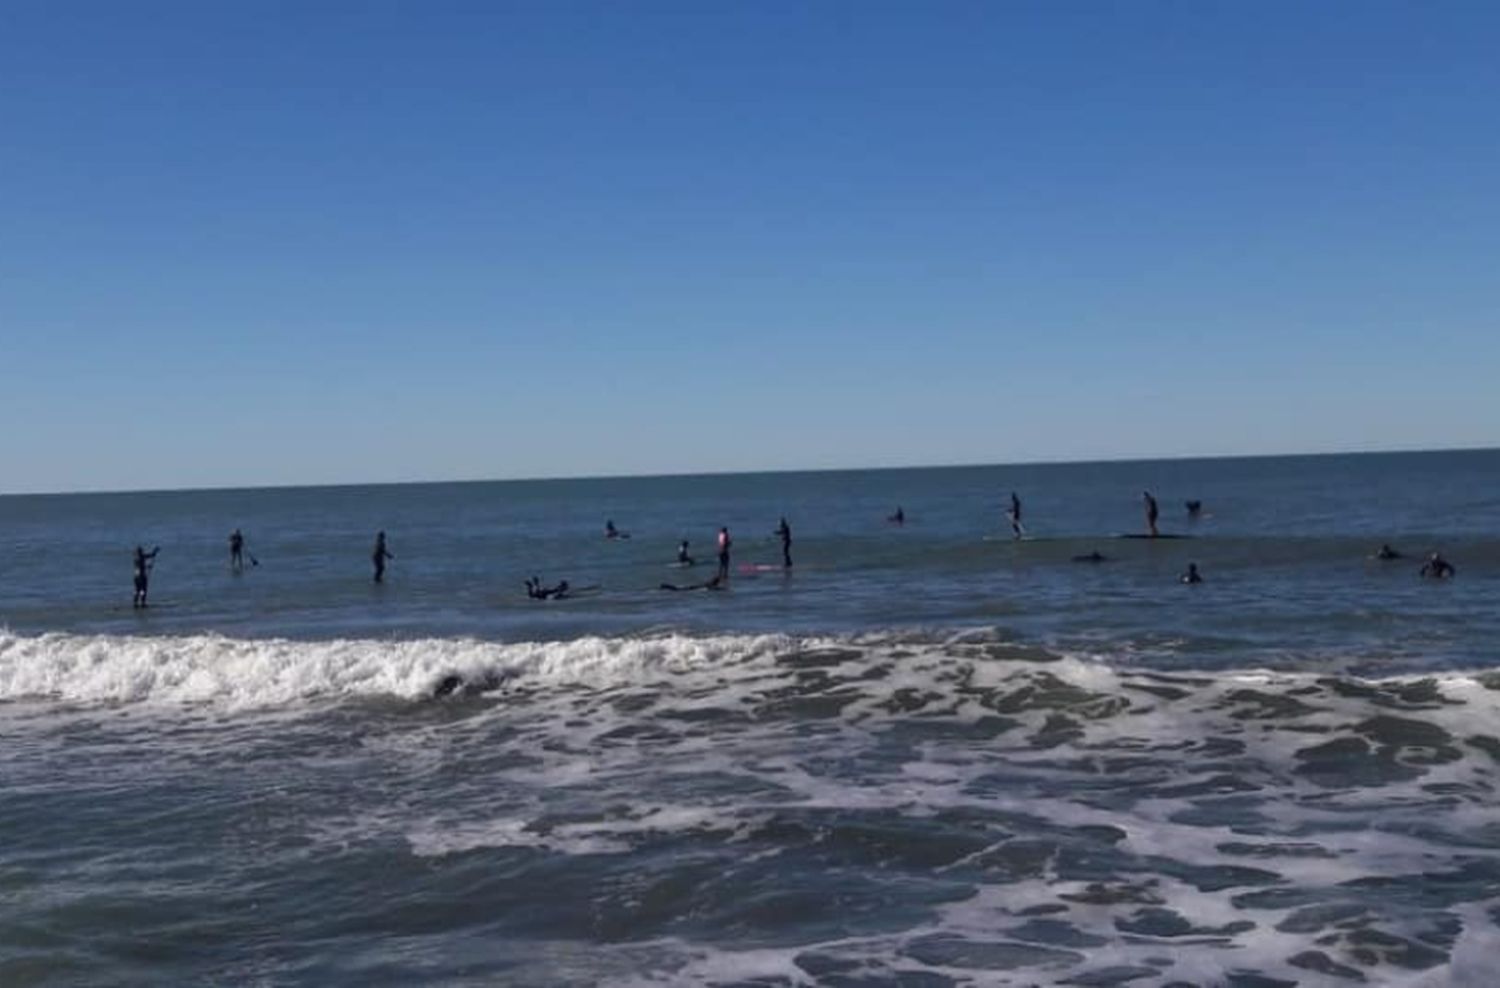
760, 568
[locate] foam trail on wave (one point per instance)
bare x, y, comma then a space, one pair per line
273, 672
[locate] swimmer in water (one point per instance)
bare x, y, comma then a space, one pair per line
1438, 568
1151, 512
784, 533
1091, 557
683, 559
1194, 508
143, 563
1192, 575
1385, 552
1015, 515
899, 518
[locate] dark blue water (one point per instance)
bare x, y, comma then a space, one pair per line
928, 754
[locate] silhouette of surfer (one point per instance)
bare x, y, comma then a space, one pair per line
683, 559
1151, 512
1194, 509
379, 555
237, 553
1192, 575
1091, 557
1015, 515
725, 544
143, 563
1438, 568
1385, 552
899, 518
536, 591
611, 532
784, 532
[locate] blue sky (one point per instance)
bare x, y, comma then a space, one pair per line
270, 243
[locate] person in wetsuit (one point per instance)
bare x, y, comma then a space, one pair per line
379, 555
717, 583
1192, 575
1438, 568
725, 544
1194, 509
1091, 557
611, 532
536, 591
1386, 553
899, 518
683, 559
1151, 512
1015, 515
236, 551
784, 532
143, 563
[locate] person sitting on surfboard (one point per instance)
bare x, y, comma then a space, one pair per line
1438, 568
784, 532
1194, 508
379, 555
899, 518
1151, 512
1015, 515
725, 544
611, 532
683, 559
143, 562
1192, 575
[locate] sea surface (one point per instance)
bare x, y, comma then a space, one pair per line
925, 755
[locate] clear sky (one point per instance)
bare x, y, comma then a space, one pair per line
307, 242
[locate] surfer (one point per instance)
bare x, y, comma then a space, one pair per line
1385, 552
379, 555
1091, 557
536, 591
1192, 575
237, 553
611, 532
683, 559
784, 533
899, 518
1438, 568
725, 544
143, 563
717, 583
1151, 512
1194, 508
1014, 514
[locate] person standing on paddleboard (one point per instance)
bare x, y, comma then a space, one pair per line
143, 562
236, 551
379, 555
784, 532
1151, 512
1015, 515
725, 543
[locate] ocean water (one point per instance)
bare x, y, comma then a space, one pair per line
926, 755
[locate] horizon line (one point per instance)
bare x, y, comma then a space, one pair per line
83, 492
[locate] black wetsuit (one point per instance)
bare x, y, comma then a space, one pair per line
785, 532
1438, 568
142, 565
236, 551
725, 544
379, 556
1015, 514
1151, 513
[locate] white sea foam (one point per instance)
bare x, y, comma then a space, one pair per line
239, 673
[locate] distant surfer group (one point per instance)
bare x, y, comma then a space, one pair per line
1435, 567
